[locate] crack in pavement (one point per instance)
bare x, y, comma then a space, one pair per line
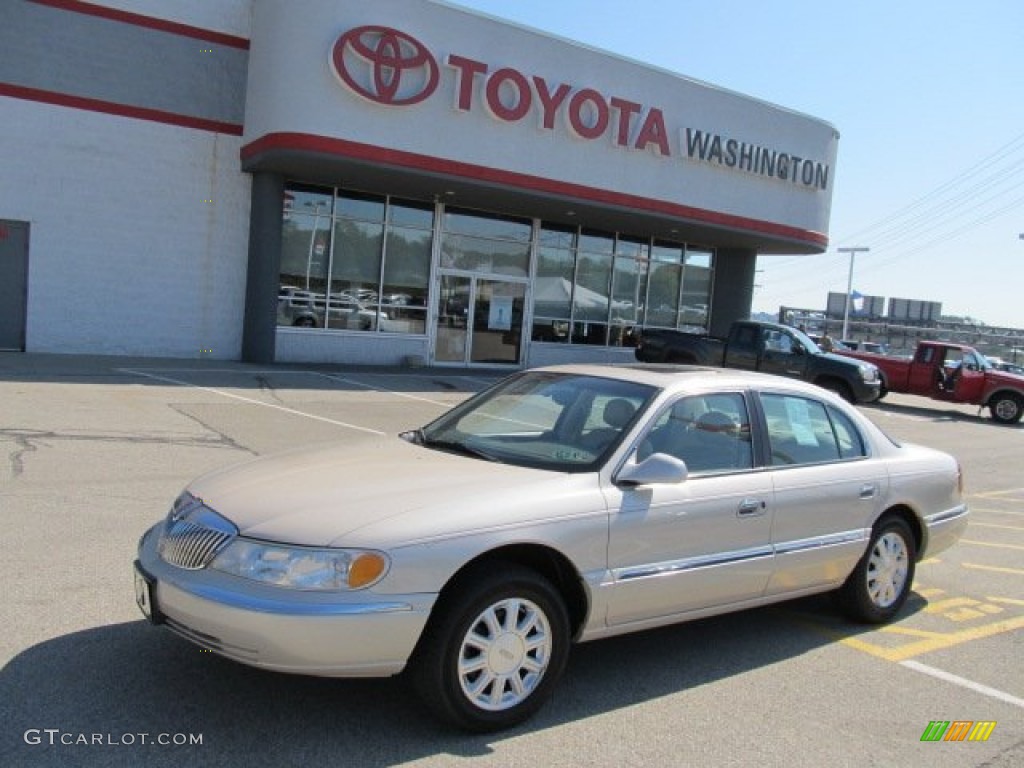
24, 445
225, 439
30, 440
266, 386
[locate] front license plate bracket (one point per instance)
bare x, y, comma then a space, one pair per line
145, 595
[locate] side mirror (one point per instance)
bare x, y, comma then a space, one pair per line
656, 469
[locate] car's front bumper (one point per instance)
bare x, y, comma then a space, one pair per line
867, 391
352, 634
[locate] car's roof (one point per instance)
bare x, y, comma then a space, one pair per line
684, 377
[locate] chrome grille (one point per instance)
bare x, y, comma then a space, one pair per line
193, 536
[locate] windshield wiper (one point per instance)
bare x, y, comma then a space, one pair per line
450, 446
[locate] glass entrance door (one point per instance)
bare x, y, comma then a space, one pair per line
479, 320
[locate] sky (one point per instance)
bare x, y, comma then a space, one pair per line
928, 98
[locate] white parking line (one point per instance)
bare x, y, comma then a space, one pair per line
343, 379
251, 401
353, 382
964, 682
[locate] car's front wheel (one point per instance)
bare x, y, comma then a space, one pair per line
881, 581
1007, 407
494, 649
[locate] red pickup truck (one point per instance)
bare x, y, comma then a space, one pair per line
955, 373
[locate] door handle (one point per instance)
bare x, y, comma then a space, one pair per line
868, 491
751, 507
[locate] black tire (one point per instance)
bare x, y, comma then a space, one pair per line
841, 388
882, 579
507, 629
1006, 407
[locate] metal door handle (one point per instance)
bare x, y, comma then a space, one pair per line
751, 507
868, 491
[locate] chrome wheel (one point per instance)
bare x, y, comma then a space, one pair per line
888, 566
495, 647
1007, 409
504, 654
879, 584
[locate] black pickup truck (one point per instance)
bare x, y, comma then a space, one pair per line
765, 347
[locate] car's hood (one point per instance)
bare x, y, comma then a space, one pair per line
842, 357
1015, 380
318, 496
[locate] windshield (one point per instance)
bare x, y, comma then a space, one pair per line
542, 419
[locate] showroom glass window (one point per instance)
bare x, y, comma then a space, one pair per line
629, 290
354, 261
593, 287
406, 274
600, 288
696, 295
666, 283
489, 243
305, 256
553, 286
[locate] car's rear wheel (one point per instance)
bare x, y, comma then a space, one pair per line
494, 650
881, 581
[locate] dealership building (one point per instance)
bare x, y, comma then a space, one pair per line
389, 182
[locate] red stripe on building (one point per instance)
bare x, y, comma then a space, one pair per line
121, 110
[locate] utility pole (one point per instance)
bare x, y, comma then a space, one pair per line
849, 285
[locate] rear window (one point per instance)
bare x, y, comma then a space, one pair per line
806, 431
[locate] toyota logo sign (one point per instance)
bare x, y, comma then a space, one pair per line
385, 66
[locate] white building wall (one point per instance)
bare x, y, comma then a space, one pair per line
560, 354
295, 345
139, 232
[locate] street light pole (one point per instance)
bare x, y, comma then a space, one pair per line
849, 285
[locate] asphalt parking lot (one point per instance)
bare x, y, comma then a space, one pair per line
93, 450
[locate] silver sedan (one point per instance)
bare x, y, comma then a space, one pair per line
562, 505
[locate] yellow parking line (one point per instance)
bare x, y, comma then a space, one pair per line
944, 605
985, 511
912, 632
936, 643
991, 544
996, 494
976, 567
1007, 600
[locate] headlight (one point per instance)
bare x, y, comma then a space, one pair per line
301, 567
868, 373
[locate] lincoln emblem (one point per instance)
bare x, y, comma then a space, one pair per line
385, 66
